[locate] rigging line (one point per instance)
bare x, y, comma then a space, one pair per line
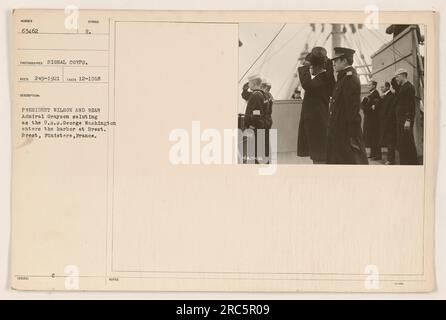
264, 50
361, 55
326, 39
346, 40
364, 67
317, 39
366, 42
358, 39
265, 57
283, 46
379, 35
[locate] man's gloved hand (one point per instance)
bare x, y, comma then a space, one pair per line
306, 61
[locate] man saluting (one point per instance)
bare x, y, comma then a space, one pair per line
257, 118
345, 144
316, 77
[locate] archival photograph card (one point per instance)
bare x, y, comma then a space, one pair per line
223, 151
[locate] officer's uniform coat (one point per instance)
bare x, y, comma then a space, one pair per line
344, 124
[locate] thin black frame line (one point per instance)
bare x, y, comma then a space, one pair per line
275, 273
114, 96
64, 33
59, 49
58, 66
57, 82
209, 278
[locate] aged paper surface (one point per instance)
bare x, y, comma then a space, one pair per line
99, 204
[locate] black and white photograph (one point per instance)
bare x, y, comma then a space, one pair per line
331, 94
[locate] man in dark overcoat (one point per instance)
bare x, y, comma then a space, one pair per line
318, 81
405, 116
371, 106
345, 143
388, 123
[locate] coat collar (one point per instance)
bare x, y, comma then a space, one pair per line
319, 73
406, 84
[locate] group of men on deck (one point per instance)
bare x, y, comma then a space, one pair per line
330, 129
389, 120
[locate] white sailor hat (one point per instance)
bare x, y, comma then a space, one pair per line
254, 77
400, 71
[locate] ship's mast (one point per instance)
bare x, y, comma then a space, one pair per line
336, 34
